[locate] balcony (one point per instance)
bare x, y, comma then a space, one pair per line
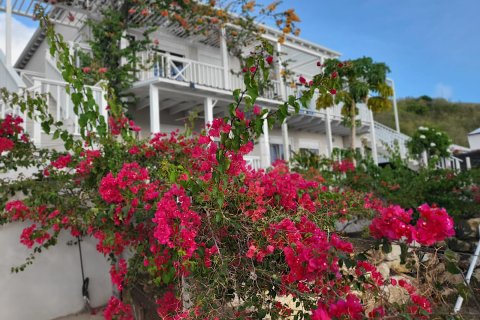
196, 73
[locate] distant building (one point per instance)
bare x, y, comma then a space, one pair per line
474, 139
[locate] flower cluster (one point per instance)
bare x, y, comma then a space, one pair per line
11, 132
395, 223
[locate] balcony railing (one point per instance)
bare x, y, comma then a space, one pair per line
160, 65
389, 137
253, 161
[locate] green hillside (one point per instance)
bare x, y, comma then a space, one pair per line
455, 118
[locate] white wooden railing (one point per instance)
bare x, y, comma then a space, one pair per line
451, 162
389, 136
27, 76
253, 161
180, 69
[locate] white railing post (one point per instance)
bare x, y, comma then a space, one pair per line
285, 139
154, 110
224, 50
468, 163
373, 138
425, 158
168, 66
103, 105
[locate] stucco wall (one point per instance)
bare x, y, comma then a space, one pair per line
52, 286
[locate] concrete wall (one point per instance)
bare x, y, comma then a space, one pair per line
52, 286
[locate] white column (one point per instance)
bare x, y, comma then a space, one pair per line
283, 91
395, 110
154, 110
373, 138
37, 127
468, 163
328, 129
265, 158
8, 34
123, 45
286, 144
103, 105
208, 105
224, 50
425, 158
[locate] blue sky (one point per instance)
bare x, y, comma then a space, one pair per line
431, 46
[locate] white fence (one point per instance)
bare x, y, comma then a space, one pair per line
253, 161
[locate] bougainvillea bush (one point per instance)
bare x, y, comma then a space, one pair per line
185, 221
240, 244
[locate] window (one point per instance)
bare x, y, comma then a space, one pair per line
276, 152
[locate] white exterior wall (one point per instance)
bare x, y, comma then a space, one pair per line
37, 61
52, 286
474, 141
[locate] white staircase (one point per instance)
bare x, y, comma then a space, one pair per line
59, 102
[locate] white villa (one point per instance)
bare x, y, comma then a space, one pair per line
193, 73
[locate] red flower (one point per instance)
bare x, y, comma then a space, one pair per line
102, 70
302, 80
116, 309
257, 110
333, 91
269, 59
253, 69
132, 10
6, 144
62, 161
334, 74
86, 69
319, 64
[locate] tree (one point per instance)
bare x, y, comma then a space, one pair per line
353, 82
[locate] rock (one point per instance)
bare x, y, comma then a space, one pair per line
353, 226
476, 274
397, 294
397, 267
394, 254
384, 269
468, 229
459, 245
452, 278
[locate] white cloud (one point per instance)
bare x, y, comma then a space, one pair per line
443, 91
21, 34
